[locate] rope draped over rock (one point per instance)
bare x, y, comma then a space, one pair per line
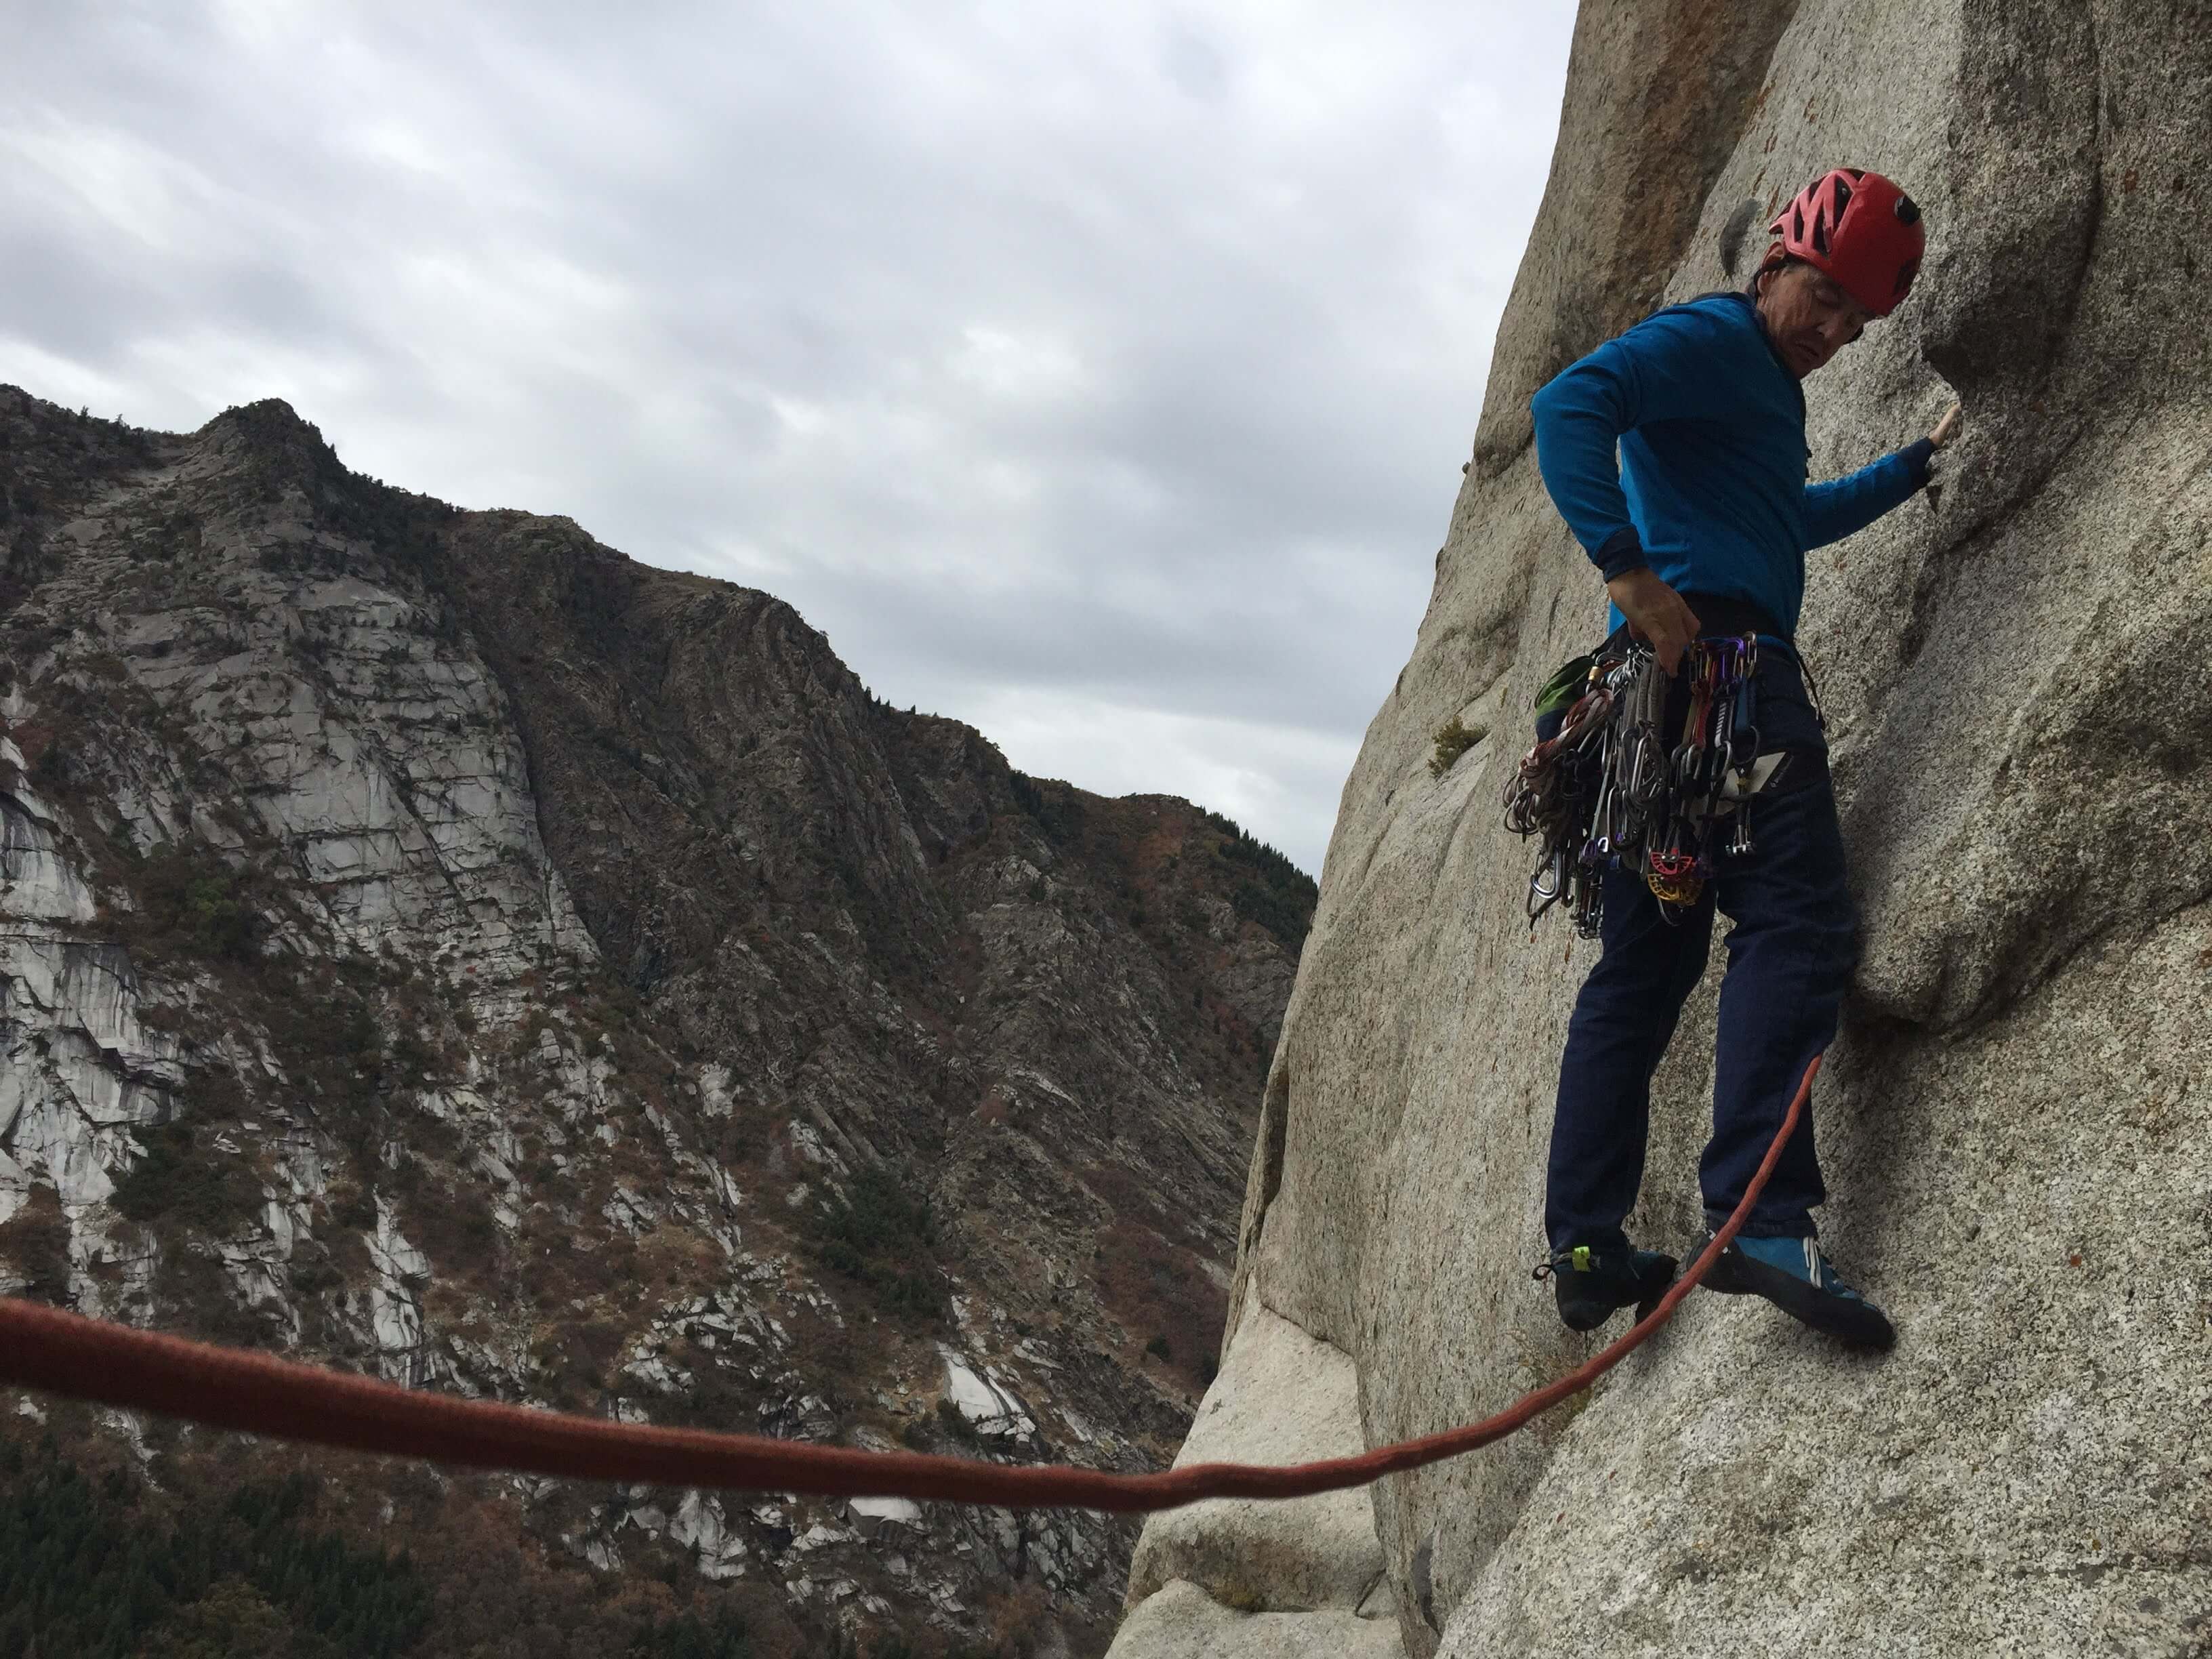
64, 1354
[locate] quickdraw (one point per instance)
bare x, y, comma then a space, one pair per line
1604, 793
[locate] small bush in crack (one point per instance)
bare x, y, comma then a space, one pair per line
411, 1056
194, 904
1453, 739
729, 1400
450, 1220
955, 1423
35, 1241
882, 1234
185, 1178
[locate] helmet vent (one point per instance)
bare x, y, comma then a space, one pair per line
1860, 229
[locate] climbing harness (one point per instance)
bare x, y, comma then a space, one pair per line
1604, 792
43, 1348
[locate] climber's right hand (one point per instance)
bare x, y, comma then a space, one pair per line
1657, 614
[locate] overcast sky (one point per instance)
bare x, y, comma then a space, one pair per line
1097, 374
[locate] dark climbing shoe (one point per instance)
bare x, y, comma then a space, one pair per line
1592, 1283
1793, 1274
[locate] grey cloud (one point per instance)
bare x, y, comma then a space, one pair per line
1121, 354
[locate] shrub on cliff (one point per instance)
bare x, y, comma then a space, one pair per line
185, 1178
882, 1234
194, 905
1273, 891
35, 1240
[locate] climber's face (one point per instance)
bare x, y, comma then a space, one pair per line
1807, 316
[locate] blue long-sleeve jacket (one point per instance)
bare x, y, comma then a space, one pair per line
1709, 489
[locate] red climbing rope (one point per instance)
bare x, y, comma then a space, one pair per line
43, 1348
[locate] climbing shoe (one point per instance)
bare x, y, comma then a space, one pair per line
1793, 1274
1594, 1282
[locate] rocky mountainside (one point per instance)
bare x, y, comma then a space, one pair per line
2015, 1122
436, 945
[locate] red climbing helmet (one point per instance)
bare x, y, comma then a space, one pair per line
1861, 229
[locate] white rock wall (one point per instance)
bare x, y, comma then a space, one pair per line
2014, 1123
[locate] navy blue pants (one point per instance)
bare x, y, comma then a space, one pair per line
1791, 948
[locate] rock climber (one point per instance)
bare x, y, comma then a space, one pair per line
1700, 529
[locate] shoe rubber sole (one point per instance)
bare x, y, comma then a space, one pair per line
1846, 1318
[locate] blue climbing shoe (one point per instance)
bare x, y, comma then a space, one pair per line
1595, 1282
1793, 1274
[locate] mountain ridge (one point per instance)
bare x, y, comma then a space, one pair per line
436, 943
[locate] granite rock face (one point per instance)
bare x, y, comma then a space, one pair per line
434, 944
1180, 1621
2015, 1121
1285, 1399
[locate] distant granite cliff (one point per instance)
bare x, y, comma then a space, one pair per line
2016, 1119
434, 944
